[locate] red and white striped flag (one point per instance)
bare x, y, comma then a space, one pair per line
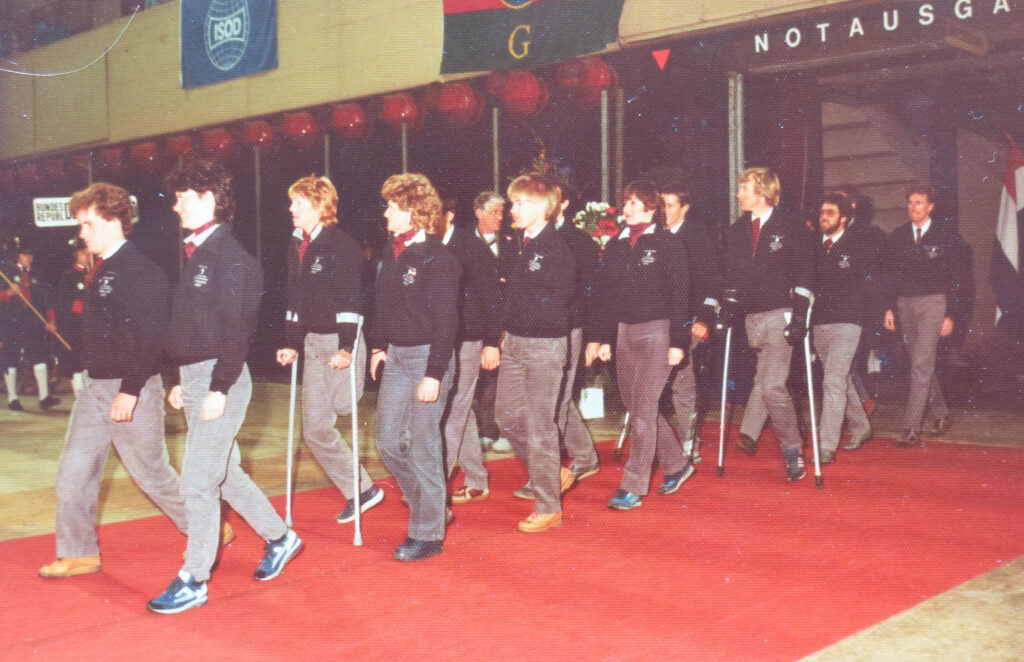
1005, 273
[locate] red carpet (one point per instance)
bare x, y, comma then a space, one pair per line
744, 567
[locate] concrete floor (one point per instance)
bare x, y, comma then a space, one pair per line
979, 620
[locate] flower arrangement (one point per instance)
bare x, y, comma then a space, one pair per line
600, 221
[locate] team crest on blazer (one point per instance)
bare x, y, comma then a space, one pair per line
409, 277
776, 243
201, 278
844, 262
534, 264
317, 266
931, 251
648, 258
106, 285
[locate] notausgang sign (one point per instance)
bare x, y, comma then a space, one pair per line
225, 39
516, 34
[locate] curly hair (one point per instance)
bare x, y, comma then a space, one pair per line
321, 194
414, 193
205, 176
110, 202
766, 184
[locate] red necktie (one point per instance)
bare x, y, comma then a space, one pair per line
526, 240
755, 234
304, 245
828, 245
917, 236
635, 231
190, 247
398, 243
95, 270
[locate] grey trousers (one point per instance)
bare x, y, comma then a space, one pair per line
327, 394
211, 470
573, 431
461, 437
769, 397
140, 445
921, 322
683, 387
524, 406
641, 360
835, 345
415, 461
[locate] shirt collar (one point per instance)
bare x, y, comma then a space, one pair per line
417, 238
650, 230
198, 239
527, 235
299, 234
924, 228
448, 235
764, 217
107, 254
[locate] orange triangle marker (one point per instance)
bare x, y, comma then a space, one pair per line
661, 57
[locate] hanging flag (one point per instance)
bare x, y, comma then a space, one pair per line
1005, 272
480, 35
225, 39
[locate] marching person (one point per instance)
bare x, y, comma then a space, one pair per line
325, 267
213, 315
478, 338
124, 313
702, 252
70, 306
927, 263
413, 333
639, 301
767, 279
489, 209
25, 331
541, 281
845, 273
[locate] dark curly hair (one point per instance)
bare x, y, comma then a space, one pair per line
203, 176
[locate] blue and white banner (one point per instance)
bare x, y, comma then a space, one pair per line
225, 39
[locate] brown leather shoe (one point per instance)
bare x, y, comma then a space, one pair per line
747, 444
466, 494
538, 522
69, 567
567, 479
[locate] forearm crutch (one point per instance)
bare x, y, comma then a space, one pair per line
622, 437
357, 535
725, 394
818, 480
291, 442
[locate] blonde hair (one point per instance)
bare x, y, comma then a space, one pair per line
414, 193
538, 188
321, 194
766, 184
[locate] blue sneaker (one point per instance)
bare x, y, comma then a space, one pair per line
279, 552
623, 500
673, 481
184, 593
367, 500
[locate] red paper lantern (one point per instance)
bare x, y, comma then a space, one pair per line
145, 156
570, 73
302, 128
598, 76
217, 144
112, 161
28, 175
398, 109
460, 104
350, 121
496, 83
180, 145
54, 170
258, 133
521, 94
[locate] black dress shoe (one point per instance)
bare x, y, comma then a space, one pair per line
14, 405
417, 550
48, 402
747, 445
